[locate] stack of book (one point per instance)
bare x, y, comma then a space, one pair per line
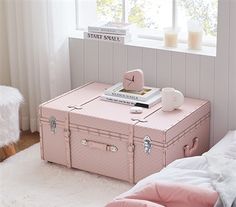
109, 32
146, 98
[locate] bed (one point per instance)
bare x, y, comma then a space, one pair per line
207, 180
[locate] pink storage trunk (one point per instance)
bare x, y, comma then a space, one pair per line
79, 130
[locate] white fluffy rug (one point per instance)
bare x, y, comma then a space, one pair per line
27, 181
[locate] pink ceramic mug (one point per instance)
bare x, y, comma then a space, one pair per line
171, 99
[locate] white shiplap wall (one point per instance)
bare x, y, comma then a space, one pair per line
198, 76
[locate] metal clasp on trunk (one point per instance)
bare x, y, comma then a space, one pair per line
75, 107
140, 120
147, 143
112, 148
53, 124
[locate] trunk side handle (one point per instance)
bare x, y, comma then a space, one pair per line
190, 151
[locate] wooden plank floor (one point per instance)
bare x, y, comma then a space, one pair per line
27, 139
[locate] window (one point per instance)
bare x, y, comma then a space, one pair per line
152, 16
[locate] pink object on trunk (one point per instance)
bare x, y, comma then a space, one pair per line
81, 131
163, 194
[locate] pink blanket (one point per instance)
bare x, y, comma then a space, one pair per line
169, 195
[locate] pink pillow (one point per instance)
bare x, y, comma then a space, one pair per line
169, 195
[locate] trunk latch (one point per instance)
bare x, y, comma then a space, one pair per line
53, 124
147, 144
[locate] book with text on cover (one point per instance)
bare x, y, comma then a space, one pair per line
119, 91
110, 28
145, 104
107, 37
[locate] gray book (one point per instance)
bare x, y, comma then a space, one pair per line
110, 28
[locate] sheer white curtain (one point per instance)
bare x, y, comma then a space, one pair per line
4, 63
37, 32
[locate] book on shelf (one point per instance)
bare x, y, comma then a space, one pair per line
143, 95
107, 37
110, 28
144, 104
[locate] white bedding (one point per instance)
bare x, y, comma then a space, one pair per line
222, 170
191, 170
203, 171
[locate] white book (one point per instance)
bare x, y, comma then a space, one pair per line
107, 37
145, 104
119, 91
110, 28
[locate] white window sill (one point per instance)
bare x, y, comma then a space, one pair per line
158, 44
